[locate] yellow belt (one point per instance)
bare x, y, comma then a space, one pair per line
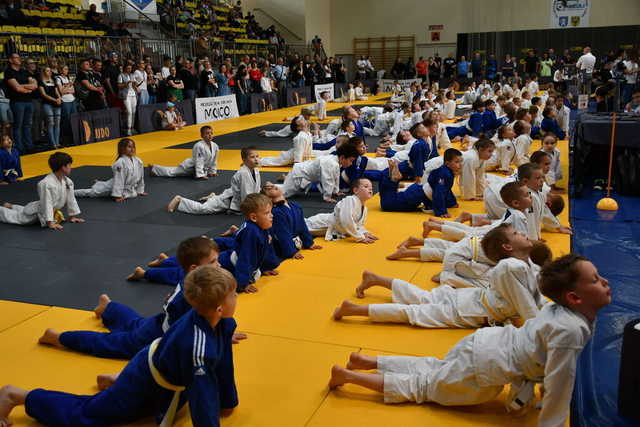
167, 420
58, 216
475, 248
495, 316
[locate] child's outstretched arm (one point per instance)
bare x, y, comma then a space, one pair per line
559, 377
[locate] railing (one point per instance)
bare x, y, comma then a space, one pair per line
268, 15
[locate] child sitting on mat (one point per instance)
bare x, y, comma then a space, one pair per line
10, 168
348, 217
192, 362
55, 191
544, 350
244, 182
549, 145
299, 152
202, 164
128, 176
252, 254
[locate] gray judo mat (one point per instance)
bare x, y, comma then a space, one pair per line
70, 268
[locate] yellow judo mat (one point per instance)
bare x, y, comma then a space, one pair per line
282, 369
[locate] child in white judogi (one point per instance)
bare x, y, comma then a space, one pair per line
55, 191
321, 106
513, 292
324, 170
287, 130
506, 153
544, 350
244, 182
549, 144
472, 178
300, 152
523, 141
128, 176
360, 96
202, 164
348, 217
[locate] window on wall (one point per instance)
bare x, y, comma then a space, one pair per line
383, 51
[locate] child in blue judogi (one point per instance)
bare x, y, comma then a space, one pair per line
252, 254
131, 332
289, 231
550, 124
490, 122
422, 150
163, 269
10, 168
434, 193
472, 127
192, 362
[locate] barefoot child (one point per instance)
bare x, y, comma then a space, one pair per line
472, 176
291, 128
131, 332
513, 292
544, 350
244, 182
193, 357
10, 168
434, 193
252, 254
299, 152
202, 164
348, 217
128, 176
289, 229
55, 191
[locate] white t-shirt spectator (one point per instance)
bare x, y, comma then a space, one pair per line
265, 84
586, 63
164, 71
631, 66
63, 80
141, 79
128, 90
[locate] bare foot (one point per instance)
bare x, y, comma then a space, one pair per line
405, 243
158, 260
151, 172
230, 231
138, 274
368, 280
426, 229
362, 362
173, 204
344, 308
50, 337
436, 278
464, 217
103, 301
394, 171
105, 381
10, 397
338, 376
262, 133
396, 255
207, 197
7, 205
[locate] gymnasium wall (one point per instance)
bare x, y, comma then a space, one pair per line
377, 18
291, 13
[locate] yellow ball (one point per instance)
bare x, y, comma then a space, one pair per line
607, 204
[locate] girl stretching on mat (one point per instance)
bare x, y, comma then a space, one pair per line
128, 176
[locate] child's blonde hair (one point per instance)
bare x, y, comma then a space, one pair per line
206, 287
254, 202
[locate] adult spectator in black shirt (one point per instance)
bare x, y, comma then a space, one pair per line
94, 19
36, 102
339, 70
397, 71
189, 79
111, 73
476, 67
208, 85
90, 90
434, 69
449, 65
19, 87
318, 70
309, 74
508, 67
531, 64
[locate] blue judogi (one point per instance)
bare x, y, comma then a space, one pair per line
324, 145
551, 125
191, 354
130, 332
10, 167
359, 131
421, 151
441, 181
473, 127
251, 252
169, 272
289, 230
357, 170
489, 122
392, 200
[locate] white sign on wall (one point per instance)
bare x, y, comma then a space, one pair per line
569, 13
328, 87
216, 108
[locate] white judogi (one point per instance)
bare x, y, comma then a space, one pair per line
324, 171
442, 137
54, 194
127, 181
469, 97
333, 127
360, 96
545, 349
321, 109
523, 145
203, 161
513, 293
506, 153
282, 133
541, 214
347, 219
563, 117
472, 178
301, 151
465, 265
244, 182
533, 88
456, 231
377, 163
450, 109
402, 151
555, 172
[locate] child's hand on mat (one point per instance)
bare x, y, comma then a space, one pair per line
565, 230
315, 247
456, 206
366, 241
55, 226
204, 177
270, 273
213, 174
119, 199
143, 194
76, 219
298, 255
251, 289
330, 200
237, 337
370, 236
446, 215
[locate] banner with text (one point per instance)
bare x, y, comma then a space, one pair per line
216, 108
569, 13
386, 85
298, 96
95, 126
328, 87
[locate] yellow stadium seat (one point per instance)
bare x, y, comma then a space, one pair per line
9, 29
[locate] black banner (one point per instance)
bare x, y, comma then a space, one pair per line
299, 96
340, 90
150, 119
95, 126
263, 102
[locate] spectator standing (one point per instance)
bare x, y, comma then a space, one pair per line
631, 76
531, 64
339, 71
397, 71
111, 73
175, 85
586, 63
51, 106
476, 67
140, 77
208, 85
508, 68
36, 102
222, 78
129, 95
362, 68
297, 75
449, 65
69, 104
20, 85
492, 68
255, 75
421, 69
190, 80
280, 74
434, 68
463, 68
152, 84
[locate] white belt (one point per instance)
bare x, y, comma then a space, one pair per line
167, 420
234, 259
297, 241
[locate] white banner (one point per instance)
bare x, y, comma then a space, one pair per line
386, 85
147, 7
569, 13
216, 108
328, 87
